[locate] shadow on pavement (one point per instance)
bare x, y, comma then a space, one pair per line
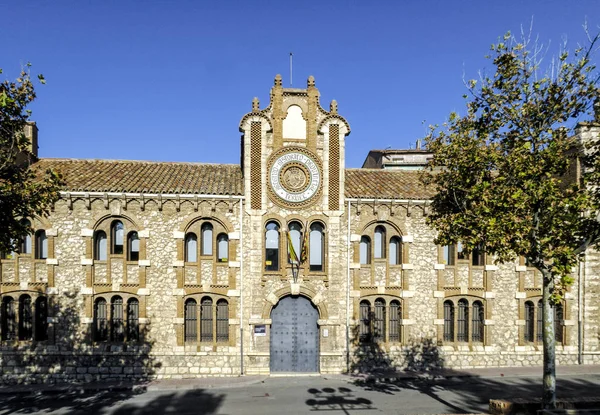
340, 399
422, 369
198, 402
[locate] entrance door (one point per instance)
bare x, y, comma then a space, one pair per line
294, 336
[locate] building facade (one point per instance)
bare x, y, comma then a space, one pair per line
288, 262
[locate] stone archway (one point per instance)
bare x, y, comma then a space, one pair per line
294, 339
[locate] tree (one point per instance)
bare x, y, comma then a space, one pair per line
24, 192
503, 171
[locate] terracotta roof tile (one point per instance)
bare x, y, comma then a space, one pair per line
386, 184
146, 176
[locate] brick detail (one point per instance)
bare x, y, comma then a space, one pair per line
334, 167
255, 165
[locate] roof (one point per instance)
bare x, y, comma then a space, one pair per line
386, 184
120, 176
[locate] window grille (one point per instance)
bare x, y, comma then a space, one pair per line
540, 322
133, 319
529, 322
395, 321
41, 318
365, 321
448, 321
25, 318
463, 321
558, 320
191, 321
117, 323
477, 322
100, 317
379, 321
222, 321
206, 320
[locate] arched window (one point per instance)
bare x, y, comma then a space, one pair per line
540, 322
463, 321
295, 231
207, 239
222, 321
448, 321
117, 231
449, 254
191, 247
26, 241
379, 320
100, 320
272, 246
41, 245
558, 322
477, 257
477, 327
365, 250
100, 250
25, 318
116, 319
395, 321
133, 246
191, 321
379, 242
41, 318
365, 321
317, 247
9, 319
133, 319
222, 247
529, 322
395, 255
206, 320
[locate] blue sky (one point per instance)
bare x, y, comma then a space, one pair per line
170, 80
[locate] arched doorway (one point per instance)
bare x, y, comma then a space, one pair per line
294, 336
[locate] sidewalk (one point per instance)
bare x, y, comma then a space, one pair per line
242, 381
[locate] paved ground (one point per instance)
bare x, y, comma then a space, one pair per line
405, 393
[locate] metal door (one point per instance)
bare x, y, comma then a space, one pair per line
294, 336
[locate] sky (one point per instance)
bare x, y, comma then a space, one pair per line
171, 80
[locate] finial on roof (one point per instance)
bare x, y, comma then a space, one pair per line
278, 80
333, 107
255, 105
597, 108
311, 81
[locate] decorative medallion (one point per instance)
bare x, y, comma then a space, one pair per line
294, 176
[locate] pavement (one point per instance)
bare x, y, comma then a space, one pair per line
242, 381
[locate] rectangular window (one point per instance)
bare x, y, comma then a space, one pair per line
449, 254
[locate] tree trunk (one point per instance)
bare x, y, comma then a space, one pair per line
549, 393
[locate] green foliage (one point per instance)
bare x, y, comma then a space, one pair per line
24, 192
503, 170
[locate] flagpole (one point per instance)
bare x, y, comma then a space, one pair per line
291, 83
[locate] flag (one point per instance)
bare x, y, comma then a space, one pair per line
304, 252
292, 256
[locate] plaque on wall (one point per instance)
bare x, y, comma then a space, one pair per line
260, 330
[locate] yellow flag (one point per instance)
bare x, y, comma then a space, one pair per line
292, 256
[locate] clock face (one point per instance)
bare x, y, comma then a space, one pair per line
295, 176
